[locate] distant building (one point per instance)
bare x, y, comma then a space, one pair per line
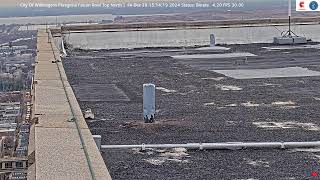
6, 51
119, 19
24, 128
8, 133
1, 147
21, 151
9, 112
18, 176
106, 21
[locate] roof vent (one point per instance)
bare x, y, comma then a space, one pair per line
149, 102
97, 140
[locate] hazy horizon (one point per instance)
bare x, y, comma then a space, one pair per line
17, 2
12, 8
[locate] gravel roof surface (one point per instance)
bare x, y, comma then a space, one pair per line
196, 104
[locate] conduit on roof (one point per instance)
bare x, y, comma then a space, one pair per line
221, 146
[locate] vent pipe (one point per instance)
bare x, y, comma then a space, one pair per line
212, 40
97, 140
149, 102
64, 52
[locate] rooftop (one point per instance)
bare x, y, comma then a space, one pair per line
55, 140
203, 99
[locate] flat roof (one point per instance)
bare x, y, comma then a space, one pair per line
7, 130
195, 104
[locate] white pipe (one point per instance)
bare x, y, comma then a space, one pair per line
289, 8
63, 49
220, 146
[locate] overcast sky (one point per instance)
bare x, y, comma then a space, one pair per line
20, 8
17, 2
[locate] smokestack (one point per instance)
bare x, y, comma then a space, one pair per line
212, 40
149, 102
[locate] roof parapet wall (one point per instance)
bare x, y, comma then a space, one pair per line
63, 144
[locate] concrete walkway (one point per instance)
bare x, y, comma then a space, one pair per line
62, 144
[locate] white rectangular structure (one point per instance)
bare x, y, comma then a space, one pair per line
299, 40
289, 8
213, 56
149, 102
289, 40
282, 40
212, 40
268, 73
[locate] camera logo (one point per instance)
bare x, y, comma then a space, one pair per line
307, 5
301, 5
313, 5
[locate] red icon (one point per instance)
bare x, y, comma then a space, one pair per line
314, 174
301, 5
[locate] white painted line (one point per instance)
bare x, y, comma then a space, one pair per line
268, 73
292, 47
215, 48
213, 56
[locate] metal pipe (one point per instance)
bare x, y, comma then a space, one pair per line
289, 14
221, 146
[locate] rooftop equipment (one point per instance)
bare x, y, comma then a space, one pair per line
149, 102
213, 47
88, 114
63, 50
289, 37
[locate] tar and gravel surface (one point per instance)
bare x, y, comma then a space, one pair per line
198, 105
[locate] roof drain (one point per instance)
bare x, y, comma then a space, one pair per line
222, 146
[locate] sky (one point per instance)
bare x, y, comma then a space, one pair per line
17, 2
20, 8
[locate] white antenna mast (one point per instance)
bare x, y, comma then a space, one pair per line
289, 37
289, 14
289, 32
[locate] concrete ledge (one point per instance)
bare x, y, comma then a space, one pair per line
289, 40
58, 150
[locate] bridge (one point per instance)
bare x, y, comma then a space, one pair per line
61, 144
